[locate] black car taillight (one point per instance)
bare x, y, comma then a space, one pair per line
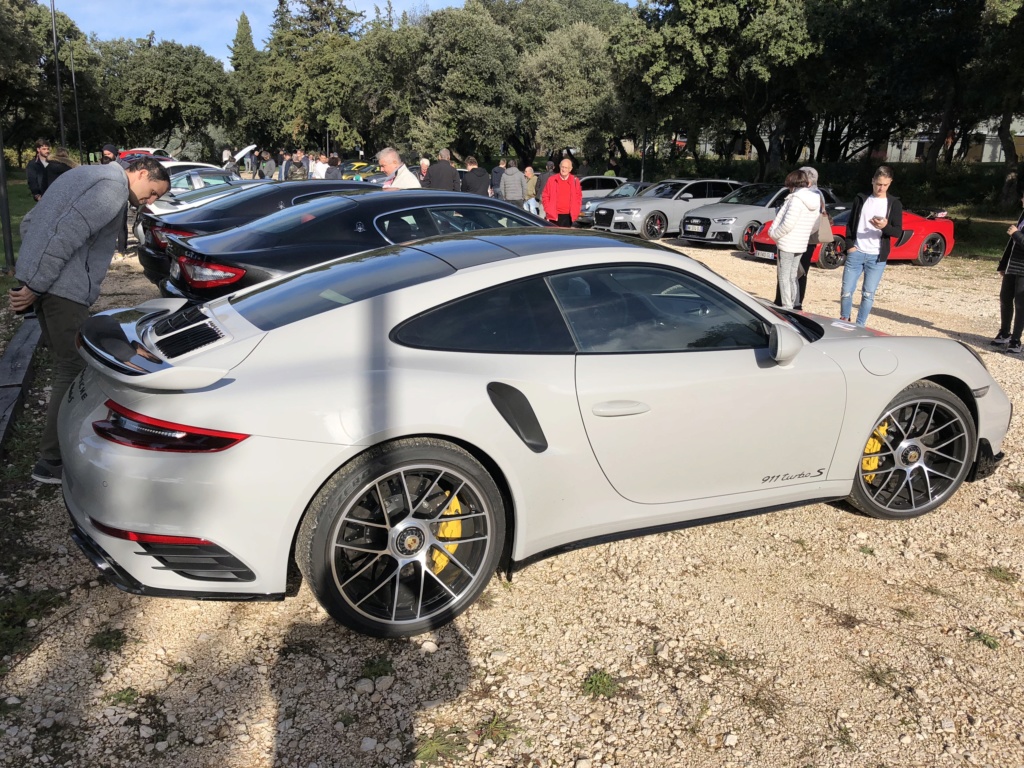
160, 234
133, 429
203, 274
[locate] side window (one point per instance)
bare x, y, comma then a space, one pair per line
467, 219
651, 309
403, 226
698, 189
589, 185
180, 182
718, 189
608, 183
516, 318
215, 181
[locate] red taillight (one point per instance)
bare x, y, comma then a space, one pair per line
202, 274
149, 538
130, 428
160, 235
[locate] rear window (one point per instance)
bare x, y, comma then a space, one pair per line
336, 284
304, 216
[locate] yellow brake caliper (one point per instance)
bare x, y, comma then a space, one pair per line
871, 451
450, 530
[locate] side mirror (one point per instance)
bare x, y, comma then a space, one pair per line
686, 196
784, 343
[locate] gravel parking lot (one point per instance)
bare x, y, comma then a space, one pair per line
810, 637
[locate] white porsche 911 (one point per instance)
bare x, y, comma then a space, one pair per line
405, 422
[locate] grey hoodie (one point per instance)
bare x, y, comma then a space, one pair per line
68, 239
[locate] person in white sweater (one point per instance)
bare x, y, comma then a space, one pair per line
791, 230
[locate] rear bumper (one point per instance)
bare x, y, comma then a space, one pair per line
156, 265
124, 581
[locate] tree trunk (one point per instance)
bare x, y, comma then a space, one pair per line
1009, 194
932, 160
762, 151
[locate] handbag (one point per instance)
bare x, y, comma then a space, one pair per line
823, 232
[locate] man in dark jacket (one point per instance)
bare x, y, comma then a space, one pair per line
35, 171
66, 247
442, 175
549, 171
496, 174
477, 180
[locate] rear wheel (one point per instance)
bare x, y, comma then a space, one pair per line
747, 237
931, 251
832, 255
403, 538
654, 226
918, 454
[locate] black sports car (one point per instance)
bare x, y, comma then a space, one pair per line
225, 213
323, 229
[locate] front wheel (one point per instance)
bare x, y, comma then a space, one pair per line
654, 226
747, 236
931, 251
918, 454
832, 255
403, 538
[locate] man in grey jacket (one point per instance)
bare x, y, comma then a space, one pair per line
67, 244
513, 185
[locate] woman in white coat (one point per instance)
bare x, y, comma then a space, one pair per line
791, 231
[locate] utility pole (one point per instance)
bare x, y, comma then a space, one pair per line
5, 210
56, 70
74, 87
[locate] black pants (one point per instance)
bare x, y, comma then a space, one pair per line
805, 267
122, 233
563, 220
1011, 306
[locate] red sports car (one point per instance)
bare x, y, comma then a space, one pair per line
926, 239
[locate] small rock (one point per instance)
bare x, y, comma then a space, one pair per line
731, 740
905, 739
384, 683
394, 745
664, 708
364, 685
161, 746
583, 764
145, 731
12, 701
429, 647
368, 744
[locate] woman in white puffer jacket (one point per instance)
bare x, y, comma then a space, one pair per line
791, 231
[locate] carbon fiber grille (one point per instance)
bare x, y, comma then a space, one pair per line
201, 563
188, 340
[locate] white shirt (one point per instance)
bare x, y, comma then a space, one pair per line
317, 169
869, 237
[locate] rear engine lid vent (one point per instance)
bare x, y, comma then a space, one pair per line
181, 319
190, 339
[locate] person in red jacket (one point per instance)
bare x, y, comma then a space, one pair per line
563, 196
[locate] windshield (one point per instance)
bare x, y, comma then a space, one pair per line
665, 189
301, 216
752, 194
629, 189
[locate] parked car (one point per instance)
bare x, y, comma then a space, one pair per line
591, 204
600, 186
197, 178
161, 153
659, 209
322, 229
403, 422
179, 200
926, 240
735, 219
230, 211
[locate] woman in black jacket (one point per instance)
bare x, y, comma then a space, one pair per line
1011, 292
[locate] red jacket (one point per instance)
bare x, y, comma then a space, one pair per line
562, 196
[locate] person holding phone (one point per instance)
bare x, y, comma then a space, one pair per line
874, 220
1011, 290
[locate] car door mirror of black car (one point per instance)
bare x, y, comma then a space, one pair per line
784, 343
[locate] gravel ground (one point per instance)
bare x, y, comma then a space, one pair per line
811, 637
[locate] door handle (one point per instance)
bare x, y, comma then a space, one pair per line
620, 408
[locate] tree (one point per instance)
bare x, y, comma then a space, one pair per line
250, 91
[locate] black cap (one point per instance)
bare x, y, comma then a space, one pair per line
110, 148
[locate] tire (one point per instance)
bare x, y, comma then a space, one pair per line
747, 236
654, 226
386, 571
832, 255
918, 454
931, 251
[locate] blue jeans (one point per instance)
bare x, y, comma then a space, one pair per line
859, 263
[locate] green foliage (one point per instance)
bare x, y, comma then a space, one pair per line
16, 610
600, 683
1004, 575
989, 641
441, 746
377, 666
109, 640
125, 697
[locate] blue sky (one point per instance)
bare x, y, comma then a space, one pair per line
210, 24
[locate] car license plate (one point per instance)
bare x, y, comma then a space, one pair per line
693, 227
766, 254
175, 270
